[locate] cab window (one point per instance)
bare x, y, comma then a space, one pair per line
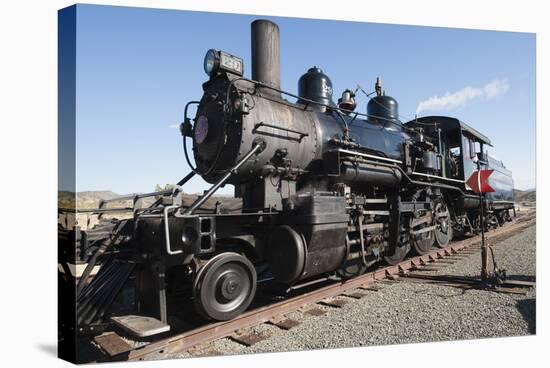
476, 148
470, 148
466, 147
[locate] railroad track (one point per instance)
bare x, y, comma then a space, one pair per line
275, 313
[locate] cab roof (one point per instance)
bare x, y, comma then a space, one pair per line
447, 123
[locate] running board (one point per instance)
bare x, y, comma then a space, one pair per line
141, 326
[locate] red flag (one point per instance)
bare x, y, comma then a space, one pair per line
478, 181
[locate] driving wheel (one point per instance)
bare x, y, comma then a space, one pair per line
422, 241
444, 230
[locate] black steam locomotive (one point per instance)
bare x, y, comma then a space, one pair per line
325, 190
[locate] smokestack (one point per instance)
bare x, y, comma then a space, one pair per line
266, 54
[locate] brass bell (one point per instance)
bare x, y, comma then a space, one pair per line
347, 101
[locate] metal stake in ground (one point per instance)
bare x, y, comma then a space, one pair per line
484, 263
478, 183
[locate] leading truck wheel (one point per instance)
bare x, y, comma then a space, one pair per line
224, 287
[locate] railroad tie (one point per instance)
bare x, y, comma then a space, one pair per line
355, 295
284, 323
335, 303
315, 312
112, 344
248, 338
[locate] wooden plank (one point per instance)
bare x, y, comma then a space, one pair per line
248, 339
112, 344
442, 261
370, 288
518, 283
355, 295
430, 269
315, 312
335, 303
285, 324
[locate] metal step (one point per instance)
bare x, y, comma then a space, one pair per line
141, 326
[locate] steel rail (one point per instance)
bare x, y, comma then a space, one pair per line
184, 341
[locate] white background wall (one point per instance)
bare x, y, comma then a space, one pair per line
28, 146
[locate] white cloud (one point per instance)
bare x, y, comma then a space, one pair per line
453, 100
174, 126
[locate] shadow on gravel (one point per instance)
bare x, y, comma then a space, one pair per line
461, 291
528, 310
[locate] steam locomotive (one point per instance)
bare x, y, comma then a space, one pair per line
322, 189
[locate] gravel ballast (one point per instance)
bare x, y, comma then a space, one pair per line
410, 312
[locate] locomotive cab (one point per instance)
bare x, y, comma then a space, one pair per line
460, 145
463, 149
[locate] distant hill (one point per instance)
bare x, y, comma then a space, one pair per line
525, 195
89, 199
97, 194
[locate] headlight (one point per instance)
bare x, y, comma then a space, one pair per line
210, 61
215, 61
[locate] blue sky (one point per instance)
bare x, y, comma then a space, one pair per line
136, 68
